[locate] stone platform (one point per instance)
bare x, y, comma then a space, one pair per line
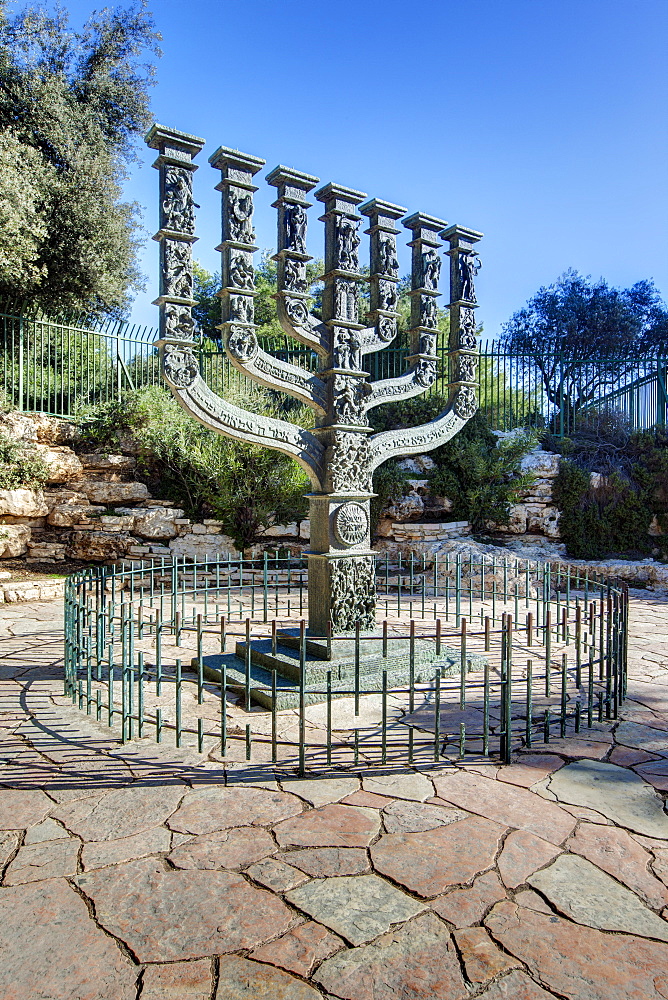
340, 665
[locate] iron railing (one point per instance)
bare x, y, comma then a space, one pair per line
497, 654
64, 366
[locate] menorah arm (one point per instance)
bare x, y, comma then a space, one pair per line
413, 383
301, 325
218, 415
248, 357
426, 437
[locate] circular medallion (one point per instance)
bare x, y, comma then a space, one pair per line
180, 366
351, 524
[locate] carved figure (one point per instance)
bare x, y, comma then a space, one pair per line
178, 279
296, 311
428, 311
388, 262
349, 462
425, 372
241, 271
466, 402
387, 328
469, 266
349, 395
347, 349
294, 275
353, 593
347, 243
241, 309
467, 338
387, 295
467, 365
240, 213
431, 269
346, 300
427, 343
180, 366
179, 324
177, 205
351, 524
242, 343
295, 226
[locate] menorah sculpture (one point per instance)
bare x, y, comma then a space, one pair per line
341, 451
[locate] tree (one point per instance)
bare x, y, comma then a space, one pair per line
584, 338
71, 105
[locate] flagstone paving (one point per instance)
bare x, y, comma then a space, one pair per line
142, 872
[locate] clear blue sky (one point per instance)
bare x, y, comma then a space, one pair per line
541, 123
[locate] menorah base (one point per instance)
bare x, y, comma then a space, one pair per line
344, 676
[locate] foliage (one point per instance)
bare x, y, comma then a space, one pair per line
71, 105
18, 466
610, 514
390, 482
244, 486
480, 477
570, 332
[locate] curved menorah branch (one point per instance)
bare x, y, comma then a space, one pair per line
416, 440
301, 325
413, 383
218, 415
275, 374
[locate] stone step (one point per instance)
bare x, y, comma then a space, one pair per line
286, 664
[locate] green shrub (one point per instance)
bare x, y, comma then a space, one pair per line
18, 467
244, 486
481, 477
390, 482
613, 517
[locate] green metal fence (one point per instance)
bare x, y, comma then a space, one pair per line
499, 654
65, 366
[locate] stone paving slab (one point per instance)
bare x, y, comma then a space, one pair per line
357, 907
142, 871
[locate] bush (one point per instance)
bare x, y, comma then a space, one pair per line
244, 486
611, 518
18, 467
389, 484
482, 477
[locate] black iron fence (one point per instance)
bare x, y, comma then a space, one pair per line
470, 657
65, 366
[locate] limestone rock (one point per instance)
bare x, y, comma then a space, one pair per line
195, 546
405, 508
54, 430
14, 540
23, 502
67, 515
63, 465
418, 464
544, 464
154, 522
97, 546
517, 525
110, 493
108, 467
